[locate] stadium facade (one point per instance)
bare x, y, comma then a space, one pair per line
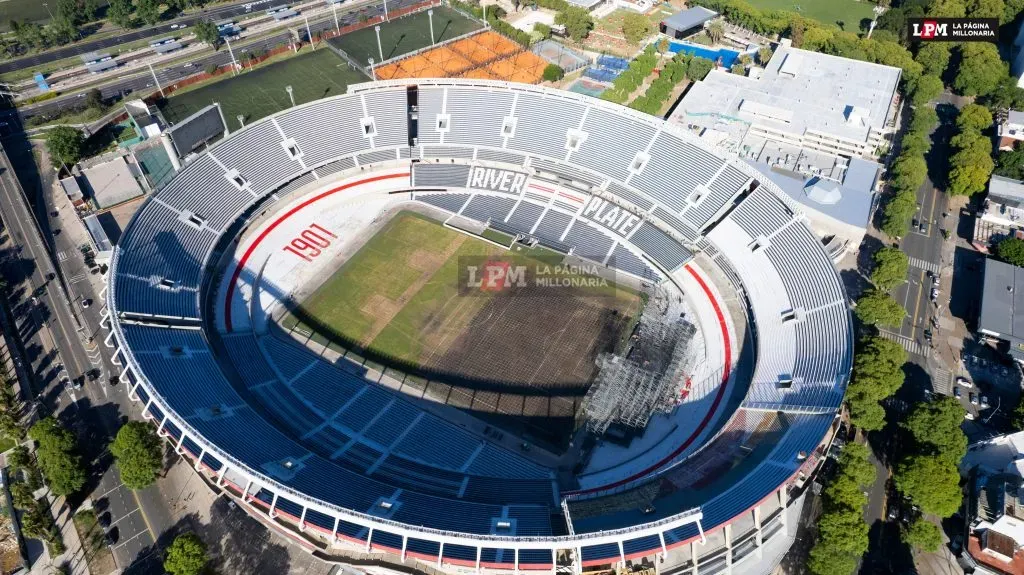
255, 415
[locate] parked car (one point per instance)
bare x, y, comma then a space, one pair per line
935, 294
973, 398
957, 393
924, 228
968, 416
965, 382
984, 402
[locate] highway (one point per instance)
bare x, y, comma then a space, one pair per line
171, 74
215, 14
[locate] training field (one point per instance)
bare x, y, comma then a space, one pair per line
403, 35
260, 92
850, 12
527, 352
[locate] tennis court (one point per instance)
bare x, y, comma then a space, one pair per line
261, 92
403, 35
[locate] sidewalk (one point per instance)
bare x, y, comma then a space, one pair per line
74, 555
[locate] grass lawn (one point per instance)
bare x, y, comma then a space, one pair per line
612, 23
404, 35
260, 92
850, 12
399, 295
6, 443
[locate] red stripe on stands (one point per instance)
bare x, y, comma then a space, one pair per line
714, 405
277, 222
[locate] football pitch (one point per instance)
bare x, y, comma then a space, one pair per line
403, 35
398, 300
261, 92
849, 12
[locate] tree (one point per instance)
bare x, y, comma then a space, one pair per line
856, 464
973, 117
94, 99
716, 31
1011, 251
825, 560
663, 46
984, 71
1010, 164
933, 58
56, 456
635, 27
186, 555
935, 426
879, 308
206, 31
148, 11
139, 454
64, 144
877, 374
577, 21
763, 55
120, 12
738, 68
553, 73
985, 8
698, 68
971, 166
18, 458
890, 268
867, 415
948, 9
932, 483
909, 172
923, 535
927, 88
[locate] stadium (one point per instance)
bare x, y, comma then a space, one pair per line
338, 314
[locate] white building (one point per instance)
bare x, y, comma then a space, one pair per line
803, 100
1011, 130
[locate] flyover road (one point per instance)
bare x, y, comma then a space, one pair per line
215, 14
143, 81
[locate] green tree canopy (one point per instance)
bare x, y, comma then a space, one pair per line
926, 89
716, 30
877, 374
206, 31
933, 57
973, 117
935, 426
867, 415
635, 27
825, 560
855, 463
64, 144
948, 9
924, 119
139, 454
879, 308
932, 483
553, 73
148, 11
985, 8
923, 535
698, 68
984, 71
909, 172
120, 12
890, 268
971, 166
577, 21
763, 55
186, 555
1011, 251
1010, 164
58, 461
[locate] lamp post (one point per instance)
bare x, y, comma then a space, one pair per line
386, 19
372, 71
309, 33
380, 50
234, 63
155, 80
47, 6
291, 96
241, 120
337, 27
430, 15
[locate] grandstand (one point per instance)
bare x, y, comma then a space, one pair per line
280, 421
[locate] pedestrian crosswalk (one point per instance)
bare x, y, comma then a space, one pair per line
76, 278
942, 381
908, 344
61, 256
923, 265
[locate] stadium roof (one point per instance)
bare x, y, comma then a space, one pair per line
1002, 304
689, 18
801, 91
849, 202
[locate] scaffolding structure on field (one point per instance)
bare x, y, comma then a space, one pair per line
647, 378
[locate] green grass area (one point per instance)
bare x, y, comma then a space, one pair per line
403, 35
260, 92
612, 23
399, 295
97, 555
6, 443
850, 12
